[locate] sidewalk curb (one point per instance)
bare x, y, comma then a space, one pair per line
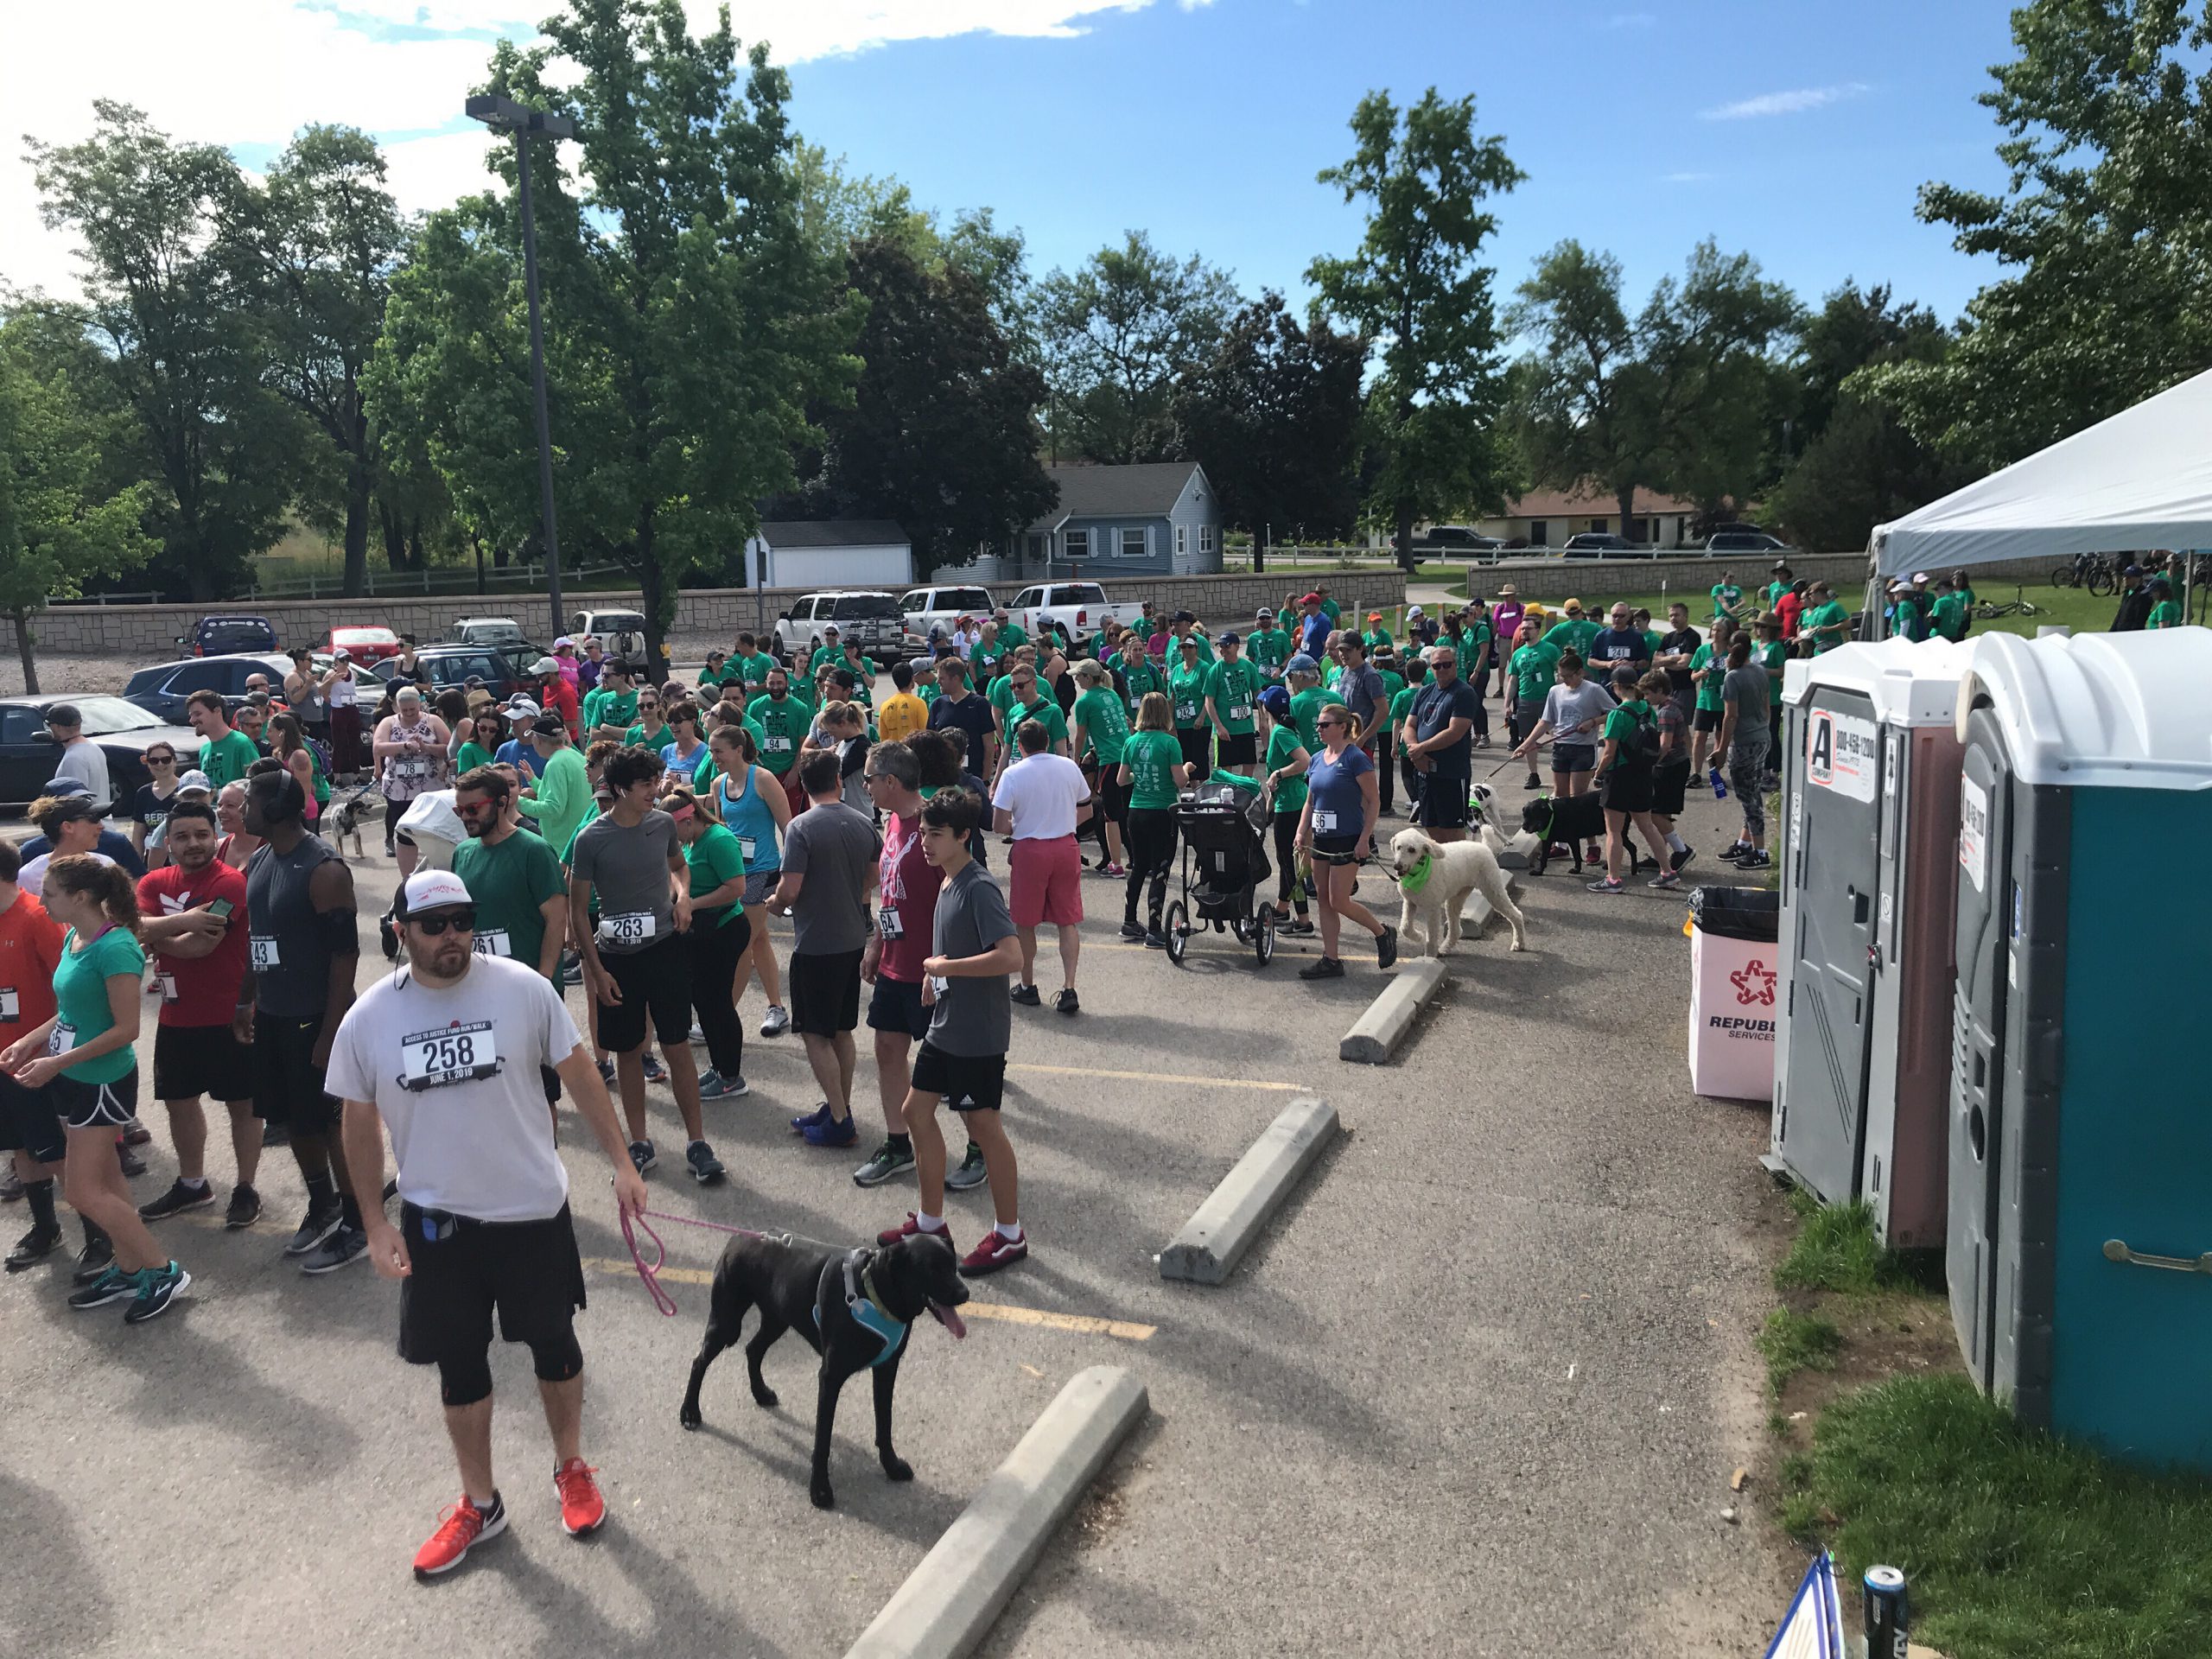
1377, 1033
949, 1601
1211, 1244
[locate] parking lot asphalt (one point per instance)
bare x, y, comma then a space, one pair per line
1479, 1389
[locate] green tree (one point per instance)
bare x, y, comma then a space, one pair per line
1274, 416
1582, 400
170, 300
1418, 288
1118, 334
2102, 229
63, 520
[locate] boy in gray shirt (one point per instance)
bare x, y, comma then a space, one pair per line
829, 869
963, 1060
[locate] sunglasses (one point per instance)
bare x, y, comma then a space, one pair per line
159, 759
642, 703
461, 921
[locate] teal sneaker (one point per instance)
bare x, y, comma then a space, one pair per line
112, 1286
157, 1289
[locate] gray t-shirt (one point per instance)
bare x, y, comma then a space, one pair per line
84, 763
1748, 689
835, 848
1566, 708
971, 1016
1361, 688
629, 869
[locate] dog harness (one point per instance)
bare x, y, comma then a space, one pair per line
1417, 878
867, 1308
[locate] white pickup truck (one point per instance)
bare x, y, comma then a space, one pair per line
1081, 607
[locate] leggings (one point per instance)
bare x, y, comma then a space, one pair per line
1482, 709
1286, 825
1747, 777
713, 959
1151, 836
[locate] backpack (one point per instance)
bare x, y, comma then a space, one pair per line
1639, 750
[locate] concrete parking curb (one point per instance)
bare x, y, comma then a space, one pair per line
1214, 1240
1477, 913
949, 1601
1377, 1033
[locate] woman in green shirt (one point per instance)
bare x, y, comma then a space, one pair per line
1708, 668
1098, 732
716, 940
481, 737
1154, 772
2164, 613
1284, 779
1187, 687
86, 1053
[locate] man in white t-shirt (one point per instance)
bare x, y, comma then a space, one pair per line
1040, 800
447, 1052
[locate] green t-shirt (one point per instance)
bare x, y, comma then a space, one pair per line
985, 659
1775, 590
1304, 709
509, 881
1726, 596
224, 759
1268, 648
1402, 705
1533, 669
1206, 652
469, 756
783, 727
714, 859
823, 653
1708, 687
1472, 649
714, 677
1378, 639
1330, 609
1012, 636
1951, 616
1187, 687
1234, 688
754, 669
1045, 711
1621, 724
1652, 638
1000, 695
80, 1000
1574, 634
2163, 614
613, 708
1139, 674
1825, 625
1105, 725
1152, 758
1772, 656
1290, 793
638, 737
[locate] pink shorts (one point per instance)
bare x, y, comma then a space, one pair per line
1047, 883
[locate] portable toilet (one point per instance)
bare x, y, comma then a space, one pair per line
1862, 1056
2080, 1236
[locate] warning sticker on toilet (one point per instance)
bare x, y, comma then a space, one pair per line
1840, 752
1974, 832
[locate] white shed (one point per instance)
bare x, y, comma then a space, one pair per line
829, 553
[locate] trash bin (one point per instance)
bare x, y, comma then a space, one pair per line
1862, 1061
1733, 974
2080, 1254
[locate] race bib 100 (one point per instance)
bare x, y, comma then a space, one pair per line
458, 1053
262, 950
633, 927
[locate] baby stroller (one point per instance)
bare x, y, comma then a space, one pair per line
1223, 824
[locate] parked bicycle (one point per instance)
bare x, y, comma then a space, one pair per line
2097, 572
2018, 605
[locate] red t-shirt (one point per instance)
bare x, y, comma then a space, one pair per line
197, 990
908, 884
30, 950
559, 699
1787, 608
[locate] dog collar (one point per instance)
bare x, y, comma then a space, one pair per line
1417, 878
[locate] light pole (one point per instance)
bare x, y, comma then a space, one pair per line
505, 115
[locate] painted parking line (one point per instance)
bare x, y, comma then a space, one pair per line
1189, 1078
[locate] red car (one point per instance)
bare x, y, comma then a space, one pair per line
365, 644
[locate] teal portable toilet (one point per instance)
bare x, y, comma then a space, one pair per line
2079, 1235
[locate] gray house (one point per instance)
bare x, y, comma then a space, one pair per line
1156, 519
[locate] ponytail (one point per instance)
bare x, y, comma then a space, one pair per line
89, 876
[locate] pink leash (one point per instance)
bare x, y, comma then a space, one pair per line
649, 1272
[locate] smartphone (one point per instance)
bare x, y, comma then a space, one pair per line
221, 908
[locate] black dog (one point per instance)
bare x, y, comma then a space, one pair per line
854, 1308
1572, 819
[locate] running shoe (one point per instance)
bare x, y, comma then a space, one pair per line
136, 1133
33, 1246
1737, 850
572, 968
886, 1162
1669, 880
912, 1228
971, 1173
1681, 860
642, 1157
715, 1086
832, 1132
1115, 872
1322, 967
112, 1285
1608, 884
776, 1021
581, 1507
133, 1164
1533, 782
706, 1169
1131, 930
1154, 939
996, 1251
607, 1072
342, 1249
11, 1185
460, 1529
1027, 997
94, 1259
807, 1121
314, 1227
274, 1134
1386, 946
1758, 861
178, 1200
655, 1071
244, 1208
1301, 927
1066, 1001
157, 1289
698, 1033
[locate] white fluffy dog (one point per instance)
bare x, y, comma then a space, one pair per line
1456, 868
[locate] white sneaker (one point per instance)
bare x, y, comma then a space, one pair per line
698, 1035
777, 1022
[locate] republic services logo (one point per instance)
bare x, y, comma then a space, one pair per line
1754, 985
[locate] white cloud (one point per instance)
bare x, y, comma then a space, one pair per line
1686, 178
1789, 103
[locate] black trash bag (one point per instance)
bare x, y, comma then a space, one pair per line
1751, 913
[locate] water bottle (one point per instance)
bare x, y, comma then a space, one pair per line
1719, 789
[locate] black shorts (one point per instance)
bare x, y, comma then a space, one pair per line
97, 1105
28, 1122
191, 1060
1113, 793
896, 1006
656, 981
1197, 749
1573, 757
967, 1083
1334, 849
1705, 719
1442, 804
1626, 789
528, 1270
1240, 749
288, 1085
1669, 782
825, 991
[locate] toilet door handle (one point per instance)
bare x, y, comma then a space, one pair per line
2117, 1250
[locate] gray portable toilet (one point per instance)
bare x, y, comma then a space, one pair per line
1862, 1056
2080, 1237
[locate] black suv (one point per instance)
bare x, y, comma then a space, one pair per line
225, 636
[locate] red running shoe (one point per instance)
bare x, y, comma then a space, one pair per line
996, 1251
460, 1529
581, 1507
908, 1228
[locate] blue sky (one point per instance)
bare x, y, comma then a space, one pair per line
1798, 131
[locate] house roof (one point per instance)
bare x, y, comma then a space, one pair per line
1577, 503
1149, 489
833, 532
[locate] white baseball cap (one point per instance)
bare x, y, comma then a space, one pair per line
519, 704
435, 890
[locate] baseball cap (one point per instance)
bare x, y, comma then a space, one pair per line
67, 808
196, 779
341, 655
1899, 585
1276, 702
829, 627
519, 704
1919, 576
2133, 570
1375, 616
547, 726
1412, 611
1230, 639
1301, 664
62, 789
564, 640
1264, 611
1310, 599
433, 890
1185, 616
545, 665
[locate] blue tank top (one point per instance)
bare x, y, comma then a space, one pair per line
749, 819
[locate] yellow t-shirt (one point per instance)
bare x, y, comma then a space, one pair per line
901, 716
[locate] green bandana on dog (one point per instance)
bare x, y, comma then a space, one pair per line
1417, 878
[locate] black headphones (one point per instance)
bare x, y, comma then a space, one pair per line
287, 803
